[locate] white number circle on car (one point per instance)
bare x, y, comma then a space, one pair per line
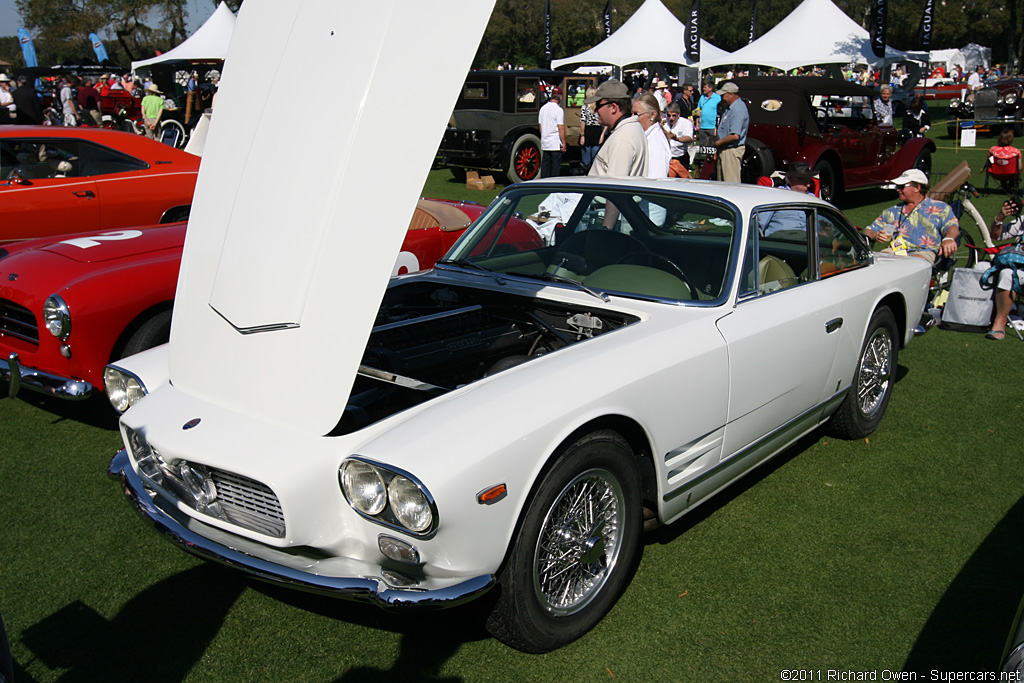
94, 241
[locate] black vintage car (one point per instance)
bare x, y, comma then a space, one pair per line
1000, 104
494, 126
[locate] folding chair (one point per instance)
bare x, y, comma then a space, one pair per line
1005, 169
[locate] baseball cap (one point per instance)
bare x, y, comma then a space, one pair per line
911, 175
556, 91
609, 90
728, 87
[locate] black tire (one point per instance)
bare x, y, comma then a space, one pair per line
757, 162
524, 161
830, 189
923, 162
178, 213
873, 380
458, 173
967, 245
1018, 124
153, 332
532, 612
951, 131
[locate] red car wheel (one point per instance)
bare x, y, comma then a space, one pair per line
525, 161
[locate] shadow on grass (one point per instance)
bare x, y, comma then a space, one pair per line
94, 411
429, 638
159, 635
968, 628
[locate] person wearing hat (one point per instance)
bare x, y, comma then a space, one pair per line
786, 223
6, 99
662, 94
152, 108
917, 226
552, 135
624, 152
732, 133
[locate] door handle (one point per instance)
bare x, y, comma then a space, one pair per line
833, 325
87, 193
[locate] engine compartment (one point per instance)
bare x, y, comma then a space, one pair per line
429, 339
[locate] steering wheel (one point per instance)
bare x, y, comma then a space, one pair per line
603, 246
673, 269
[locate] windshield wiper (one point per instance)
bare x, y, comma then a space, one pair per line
466, 263
551, 277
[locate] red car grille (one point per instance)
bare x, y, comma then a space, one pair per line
18, 322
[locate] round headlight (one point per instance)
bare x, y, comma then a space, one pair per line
57, 317
363, 487
1011, 99
409, 504
955, 102
117, 392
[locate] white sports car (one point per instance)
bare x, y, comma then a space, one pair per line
513, 418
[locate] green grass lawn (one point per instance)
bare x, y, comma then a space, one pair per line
898, 552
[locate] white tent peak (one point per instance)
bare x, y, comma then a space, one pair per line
652, 34
816, 32
210, 41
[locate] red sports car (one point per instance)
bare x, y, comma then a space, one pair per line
55, 181
70, 306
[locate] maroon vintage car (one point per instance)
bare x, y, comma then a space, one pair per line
831, 125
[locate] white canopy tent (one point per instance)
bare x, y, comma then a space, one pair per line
210, 41
816, 32
947, 58
652, 34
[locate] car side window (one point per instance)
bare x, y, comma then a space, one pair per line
100, 160
783, 250
41, 159
840, 246
527, 94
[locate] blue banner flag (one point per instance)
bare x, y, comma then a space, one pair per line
28, 50
97, 47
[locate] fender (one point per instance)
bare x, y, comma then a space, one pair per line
511, 136
907, 154
812, 154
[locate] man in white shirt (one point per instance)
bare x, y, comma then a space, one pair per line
552, 135
679, 131
976, 81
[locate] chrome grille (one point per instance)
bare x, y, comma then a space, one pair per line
18, 322
248, 503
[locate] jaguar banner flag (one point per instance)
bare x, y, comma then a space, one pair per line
691, 33
97, 47
753, 24
547, 33
28, 50
879, 13
925, 34
608, 19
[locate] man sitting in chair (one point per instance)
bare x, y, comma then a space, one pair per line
918, 226
1002, 229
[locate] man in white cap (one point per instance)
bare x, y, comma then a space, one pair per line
917, 226
624, 152
732, 133
6, 99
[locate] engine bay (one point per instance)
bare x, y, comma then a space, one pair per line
429, 339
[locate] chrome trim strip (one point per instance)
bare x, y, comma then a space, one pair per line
18, 376
739, 457
255, 329
368, 590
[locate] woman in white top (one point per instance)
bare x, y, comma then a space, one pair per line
659, 154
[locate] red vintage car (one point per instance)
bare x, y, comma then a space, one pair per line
70, 306
55, 181
831, 125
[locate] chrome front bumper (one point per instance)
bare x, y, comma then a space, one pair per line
17, 376
373, 590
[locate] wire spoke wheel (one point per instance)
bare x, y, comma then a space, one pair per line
579, 544
875, 369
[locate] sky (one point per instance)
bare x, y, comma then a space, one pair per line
198, 12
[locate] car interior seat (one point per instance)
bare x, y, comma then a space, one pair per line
773, 274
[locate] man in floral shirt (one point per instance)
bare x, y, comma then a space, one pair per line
918, 226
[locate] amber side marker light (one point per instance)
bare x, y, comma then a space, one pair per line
491, 495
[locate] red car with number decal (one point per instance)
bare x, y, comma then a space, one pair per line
56, 180
70, 306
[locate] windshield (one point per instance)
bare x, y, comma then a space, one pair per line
666, 246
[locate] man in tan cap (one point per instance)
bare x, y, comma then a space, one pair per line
732, 133
152, 109
917, 226
624, 152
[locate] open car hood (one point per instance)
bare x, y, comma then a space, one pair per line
296, 224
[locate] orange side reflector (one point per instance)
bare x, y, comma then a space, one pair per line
491, 495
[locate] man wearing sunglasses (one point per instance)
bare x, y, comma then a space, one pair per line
624, 152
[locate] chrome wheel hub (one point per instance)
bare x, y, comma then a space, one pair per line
875, 367
579, 542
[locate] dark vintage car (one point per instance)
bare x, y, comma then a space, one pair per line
494, 125
998, 105
831, 125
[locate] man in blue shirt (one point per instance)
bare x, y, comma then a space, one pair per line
732, 134
708, 106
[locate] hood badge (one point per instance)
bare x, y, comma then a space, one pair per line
191, 423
